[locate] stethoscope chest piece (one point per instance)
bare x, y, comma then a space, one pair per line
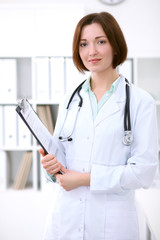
128, 138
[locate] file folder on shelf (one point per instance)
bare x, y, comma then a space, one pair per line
37, 128
8, 80
42, 76
24, 136
10, 126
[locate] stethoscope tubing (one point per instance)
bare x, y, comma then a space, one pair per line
68, 138
127, 120
77, 90
128, 137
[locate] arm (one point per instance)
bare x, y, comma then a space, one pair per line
72, 179
141, 165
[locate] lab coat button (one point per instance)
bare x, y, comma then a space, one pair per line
83, 169
80, 229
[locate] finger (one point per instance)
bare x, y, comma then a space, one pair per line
41, 151
68, 189
54, 170
51, 165
63, 169
49, 158
58, 178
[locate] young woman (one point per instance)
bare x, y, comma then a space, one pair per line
101, 169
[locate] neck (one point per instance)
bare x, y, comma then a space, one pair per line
103, 80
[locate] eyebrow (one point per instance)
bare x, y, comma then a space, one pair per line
95, 38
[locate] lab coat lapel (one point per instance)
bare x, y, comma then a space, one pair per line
86, 108
111, 106
108, 109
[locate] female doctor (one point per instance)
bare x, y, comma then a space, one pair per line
95, 193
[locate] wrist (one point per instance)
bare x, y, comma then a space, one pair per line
84, 179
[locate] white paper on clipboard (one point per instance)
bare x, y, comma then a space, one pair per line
37, 128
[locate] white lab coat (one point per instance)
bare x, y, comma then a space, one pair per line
105, 210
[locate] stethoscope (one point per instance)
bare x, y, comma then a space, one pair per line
127, 138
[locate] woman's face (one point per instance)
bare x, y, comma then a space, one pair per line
94, 49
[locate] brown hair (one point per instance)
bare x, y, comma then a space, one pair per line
113, 32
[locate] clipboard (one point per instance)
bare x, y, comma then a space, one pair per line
36, 127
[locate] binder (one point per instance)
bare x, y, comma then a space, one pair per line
23, 171
57, 79
24, 136
10, 126
44, 113
8, 80
36, 127
42, 79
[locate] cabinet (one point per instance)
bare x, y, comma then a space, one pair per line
44, 81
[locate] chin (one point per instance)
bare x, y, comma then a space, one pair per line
97, 70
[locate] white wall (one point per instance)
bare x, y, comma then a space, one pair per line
139, 20
28, 28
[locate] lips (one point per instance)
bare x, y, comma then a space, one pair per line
94, 60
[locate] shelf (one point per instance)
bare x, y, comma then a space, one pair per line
11, 149
143, 72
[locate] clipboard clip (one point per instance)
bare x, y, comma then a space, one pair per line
22, 104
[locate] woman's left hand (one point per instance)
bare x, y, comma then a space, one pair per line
72, 179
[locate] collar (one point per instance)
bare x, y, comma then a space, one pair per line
87, 87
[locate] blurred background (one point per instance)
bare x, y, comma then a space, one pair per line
36, 62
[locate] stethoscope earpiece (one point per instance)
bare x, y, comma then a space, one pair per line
65, 139
69, 139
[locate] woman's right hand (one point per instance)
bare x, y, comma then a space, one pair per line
49, 162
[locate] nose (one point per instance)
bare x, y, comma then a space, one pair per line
92, 50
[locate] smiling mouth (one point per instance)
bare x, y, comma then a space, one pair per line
94, 60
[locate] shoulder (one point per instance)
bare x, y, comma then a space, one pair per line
67, 96
140, 97
141, 94
64, 101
